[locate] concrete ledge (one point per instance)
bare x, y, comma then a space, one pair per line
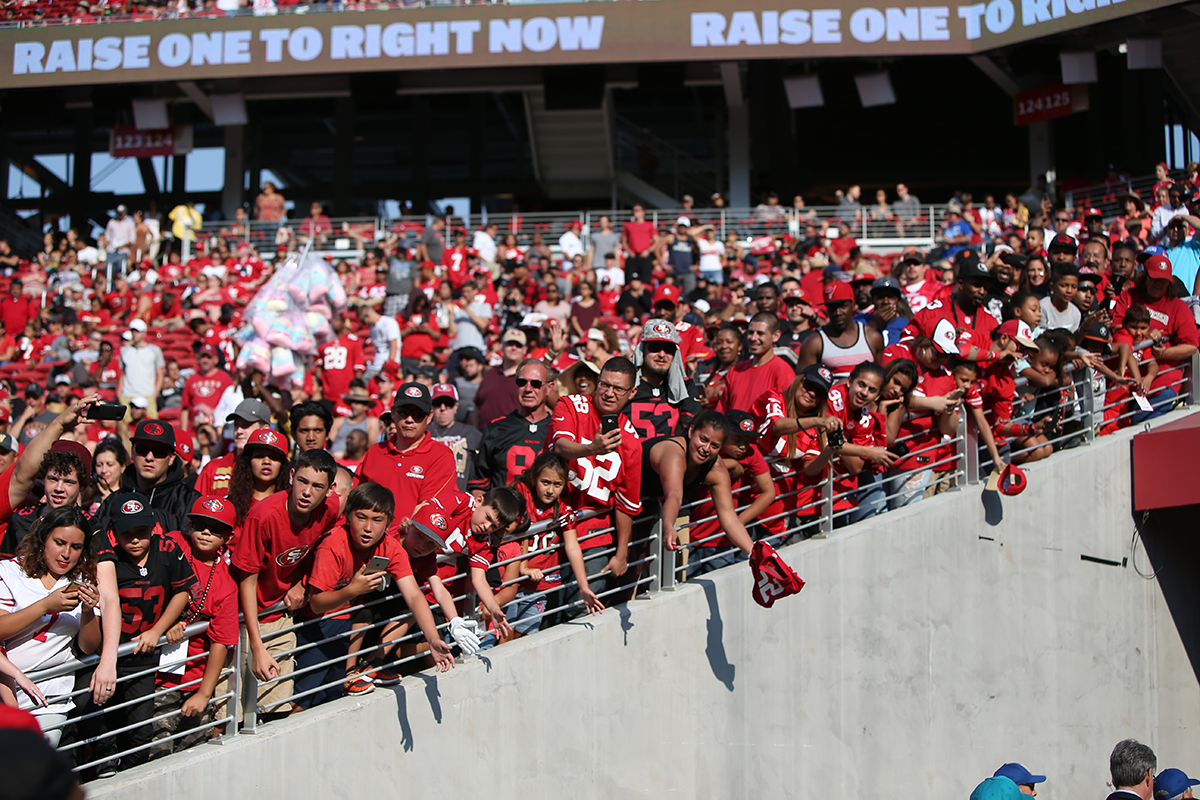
928, 648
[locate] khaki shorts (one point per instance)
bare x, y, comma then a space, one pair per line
275, 691
944, 483
151, 407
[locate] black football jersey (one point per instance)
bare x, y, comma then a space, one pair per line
509, 445
145, 591
652, 415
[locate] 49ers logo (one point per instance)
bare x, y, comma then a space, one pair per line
205, 389
214, 505
412, 391
439, 522
747, 425
267, 437
153, 428
292, 557
132, 507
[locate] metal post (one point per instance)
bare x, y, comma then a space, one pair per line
663, 571
722, 224
1192, 384
968, 448
250, 686
826, 529
235, 688
1089, 406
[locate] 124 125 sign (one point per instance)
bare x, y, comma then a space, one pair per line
1049, 102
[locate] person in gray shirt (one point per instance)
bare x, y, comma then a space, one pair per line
906, 208
142, 367
470, 375
604, 241
470, 317
463, 440
433, 242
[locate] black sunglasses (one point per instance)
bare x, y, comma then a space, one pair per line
156, 450
521, 382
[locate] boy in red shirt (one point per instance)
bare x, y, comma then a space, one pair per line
270, 558
341, 573
213, 597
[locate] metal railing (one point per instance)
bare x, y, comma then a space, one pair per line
1107, 196
804, 507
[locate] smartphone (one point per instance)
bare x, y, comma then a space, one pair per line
899, 449
608, 423
105, 411
377, 564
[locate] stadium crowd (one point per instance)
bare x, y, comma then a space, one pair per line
487, 442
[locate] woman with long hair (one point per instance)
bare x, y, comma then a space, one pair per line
108, 463
47, 599
585, 310
710, 375
259, 472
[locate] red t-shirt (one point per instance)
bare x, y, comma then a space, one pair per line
640, 235
456, 268
416, 344
203, 392
277, 550
1169, 315
922, 294
335, 562
940, 384
746, 382
613, 480
998, 389
213, 480
215, 597
105, 375
119, 303
16, 313
413, 475
96, 319
341, 361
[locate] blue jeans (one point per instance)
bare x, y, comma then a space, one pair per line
870, 497
1161, 402
894, 484
315, 631
718, 557
713, 275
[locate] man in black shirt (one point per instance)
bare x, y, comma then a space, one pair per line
511, 443
157, 473
800, 318
663, 400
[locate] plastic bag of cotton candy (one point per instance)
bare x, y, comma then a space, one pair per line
290, 319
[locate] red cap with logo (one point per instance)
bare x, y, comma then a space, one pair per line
215, 508
1092, 212
273, 440
446, 390
1159, 267
668, 292
1012, 480
838, 292
430, 521
183, 449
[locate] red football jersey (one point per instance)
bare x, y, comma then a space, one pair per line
341, 361
613, 480
213, 480
974, 331
746, 382
203, 392
549, 540
216, 588
277, 550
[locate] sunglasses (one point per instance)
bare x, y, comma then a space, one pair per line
523, 382
156, 450
444, 404
358, 401
660, 347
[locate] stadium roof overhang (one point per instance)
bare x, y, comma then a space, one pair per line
525, 36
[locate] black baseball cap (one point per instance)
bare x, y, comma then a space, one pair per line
744, 423
886, 284
913, 257
133, 511
155, 430
818, 374
471, 353
413, 395
972, 268
1063, 242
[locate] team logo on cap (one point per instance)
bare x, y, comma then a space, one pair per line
412, 391
747, 425
185, 448
828, 291
661, 327
825, 374
268, 437
289, 558
214, 505
153, 428
438, 521
132, 507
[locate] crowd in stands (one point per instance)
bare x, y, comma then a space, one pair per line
496, 429
83, 12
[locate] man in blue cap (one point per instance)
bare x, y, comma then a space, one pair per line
1173, 784
1024, 779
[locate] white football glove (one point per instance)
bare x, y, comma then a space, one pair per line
464, 635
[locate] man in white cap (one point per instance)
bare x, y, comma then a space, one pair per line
142, 368
664, 400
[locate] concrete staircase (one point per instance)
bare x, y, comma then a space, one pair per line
572, 150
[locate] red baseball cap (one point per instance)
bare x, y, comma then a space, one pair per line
1092, 212
208, 350
430, 521
668, 292
183, 449
273, 440
444, 390
1018, 331
838, 292
1012, 480
1159, 266
215, 508
795, 294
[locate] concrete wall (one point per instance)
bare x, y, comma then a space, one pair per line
928, 648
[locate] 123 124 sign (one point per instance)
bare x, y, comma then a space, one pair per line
1049, 102
129, 142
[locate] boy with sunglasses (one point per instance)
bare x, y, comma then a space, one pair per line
156, 472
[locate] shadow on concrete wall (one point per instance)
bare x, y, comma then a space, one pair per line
1169, 538
714, 647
